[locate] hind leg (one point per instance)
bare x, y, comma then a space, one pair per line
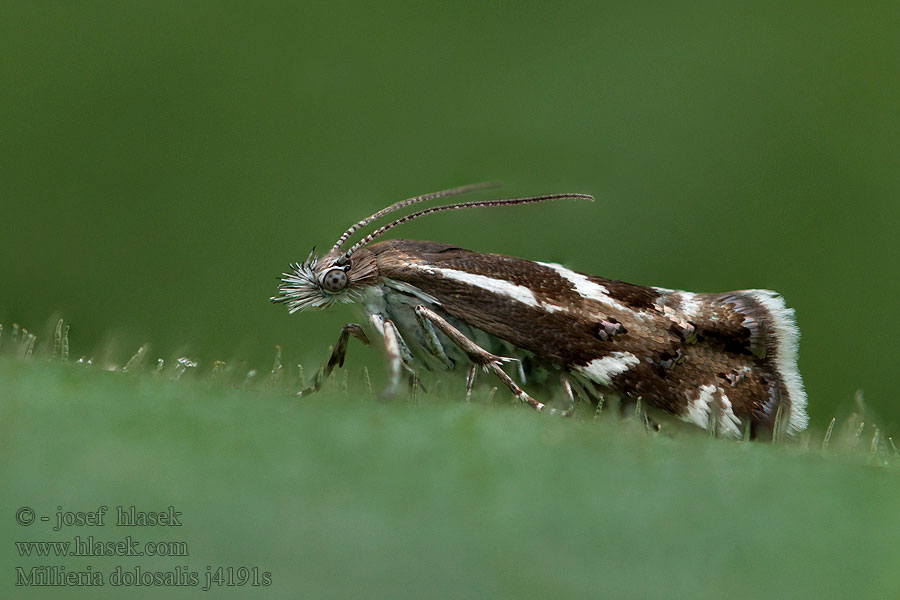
481, 357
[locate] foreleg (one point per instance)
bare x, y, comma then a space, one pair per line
337, 356
398, 355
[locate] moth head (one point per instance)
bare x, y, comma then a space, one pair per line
343, 275
321, 282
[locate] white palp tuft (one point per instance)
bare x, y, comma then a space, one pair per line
300, 289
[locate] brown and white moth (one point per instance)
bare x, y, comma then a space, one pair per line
725, 362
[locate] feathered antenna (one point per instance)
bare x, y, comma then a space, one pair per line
457, 191
458, 206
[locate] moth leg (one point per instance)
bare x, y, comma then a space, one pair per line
470, 381
398, 355
571, 395
481, 357
432, 343
340, 349
395, 358
337, 355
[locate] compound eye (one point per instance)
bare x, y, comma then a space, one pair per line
334, 280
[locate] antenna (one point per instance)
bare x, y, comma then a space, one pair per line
459, 206
457, 191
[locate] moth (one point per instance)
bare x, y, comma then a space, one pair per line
725, 362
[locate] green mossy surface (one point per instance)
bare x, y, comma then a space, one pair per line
338, 495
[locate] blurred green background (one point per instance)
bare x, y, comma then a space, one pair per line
162, 162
